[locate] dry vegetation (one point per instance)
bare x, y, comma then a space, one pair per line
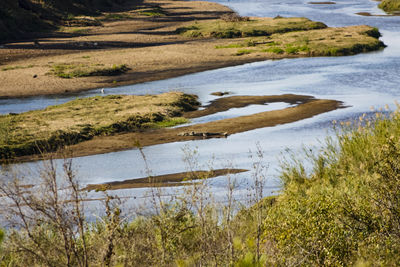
326, 42
82, 119
224, 28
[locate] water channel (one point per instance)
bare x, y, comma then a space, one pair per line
361, 81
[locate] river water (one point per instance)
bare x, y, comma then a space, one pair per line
360, 81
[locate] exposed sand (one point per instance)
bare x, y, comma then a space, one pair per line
174, 179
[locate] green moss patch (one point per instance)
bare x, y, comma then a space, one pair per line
82, 119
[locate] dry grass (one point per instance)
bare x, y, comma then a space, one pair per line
251, 27
390, 6
81, 119
323, 42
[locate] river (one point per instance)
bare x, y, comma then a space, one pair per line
361, 81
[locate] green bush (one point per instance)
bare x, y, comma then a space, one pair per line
345, 210
390, 6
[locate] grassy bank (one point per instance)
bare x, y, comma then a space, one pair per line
248, 27
339, 209
390, 6
321, 42
82, 119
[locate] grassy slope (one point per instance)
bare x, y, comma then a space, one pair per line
82, 119
390, 6
22, 18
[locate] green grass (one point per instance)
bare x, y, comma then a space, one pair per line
254, 27
82, 119
170, 122
390, 6
322, 42
244, 52
275, 50
153, 12
17, 67
83, 70
230, 46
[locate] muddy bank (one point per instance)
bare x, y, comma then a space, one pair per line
306, 107
174, 179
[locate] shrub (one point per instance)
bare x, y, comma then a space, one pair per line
347, 205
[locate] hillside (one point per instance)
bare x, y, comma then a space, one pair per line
26, 18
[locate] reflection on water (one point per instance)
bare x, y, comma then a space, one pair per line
359, 81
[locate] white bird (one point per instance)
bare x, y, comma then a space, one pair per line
102, 91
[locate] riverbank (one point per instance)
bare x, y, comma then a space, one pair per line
47, 130
142, 45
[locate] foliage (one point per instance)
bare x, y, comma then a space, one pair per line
390, 6
49, 227
346, 209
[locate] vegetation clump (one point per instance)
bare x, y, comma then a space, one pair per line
82, 119
344, 209
224, 28
322, 42
84, 70
390, 6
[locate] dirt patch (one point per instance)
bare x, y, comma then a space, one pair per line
367, 14
167, 180
306, 107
